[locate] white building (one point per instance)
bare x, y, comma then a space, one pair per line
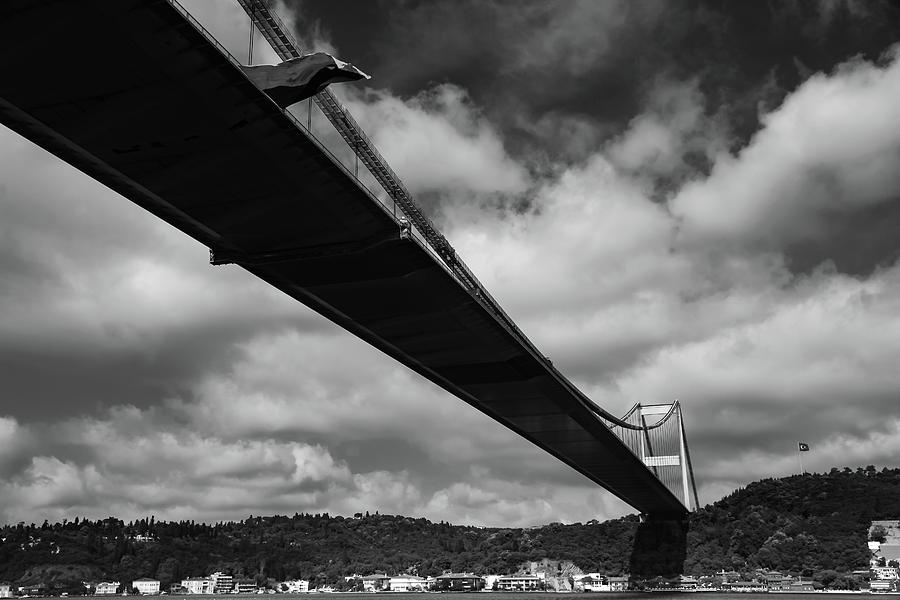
591, 582
197, 585
245, 586
408, 583
519, 582
5, 591
375, 582
295, 586
107, 588
221, 583
146, 587
618, 584
886, 573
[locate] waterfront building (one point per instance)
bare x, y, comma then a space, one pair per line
590, 582
886, 572
221, 583
775, 580
618, 584
376, 582
407, 583
459, 582
802, 586
295, 586
146, 587
5, 590
245, 586
886, 545
197, 585
33, 590
107, 588
729, 576
884, 585
512, 583
745, 586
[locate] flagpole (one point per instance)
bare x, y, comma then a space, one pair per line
800, 458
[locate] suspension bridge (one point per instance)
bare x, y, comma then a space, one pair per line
138, 95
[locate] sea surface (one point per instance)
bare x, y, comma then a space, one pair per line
547, 596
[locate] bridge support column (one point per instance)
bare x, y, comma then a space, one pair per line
660, 547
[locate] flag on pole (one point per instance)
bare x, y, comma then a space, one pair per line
300, 78
803, 447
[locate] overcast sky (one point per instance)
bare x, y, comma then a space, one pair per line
693, 200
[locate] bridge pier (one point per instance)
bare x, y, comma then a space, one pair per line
660, 547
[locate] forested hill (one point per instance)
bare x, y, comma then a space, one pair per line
808, 522
801, 524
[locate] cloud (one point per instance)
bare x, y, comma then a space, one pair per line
875, 447
818, 364
437, 141
672, 130
17, 445
486, 498
130, 469
173, 473
106, 300
572, 38
507, 36
832, 147
370, 411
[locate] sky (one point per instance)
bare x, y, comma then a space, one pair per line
691, 199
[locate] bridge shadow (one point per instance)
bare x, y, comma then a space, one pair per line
660, 548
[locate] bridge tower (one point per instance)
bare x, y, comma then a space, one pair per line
655, 433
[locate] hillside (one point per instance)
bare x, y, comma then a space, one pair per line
802, 524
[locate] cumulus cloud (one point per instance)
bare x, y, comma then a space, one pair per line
486, 498
673, 129
123, 468
817, 365
108, 301
437, 141
173, 472
289, 387
831, 147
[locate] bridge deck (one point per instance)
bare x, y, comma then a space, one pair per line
142, 101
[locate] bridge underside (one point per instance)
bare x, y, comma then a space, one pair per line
133, 95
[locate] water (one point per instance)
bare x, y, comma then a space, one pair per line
549, 596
